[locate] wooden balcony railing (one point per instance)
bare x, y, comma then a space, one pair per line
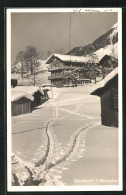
64, 68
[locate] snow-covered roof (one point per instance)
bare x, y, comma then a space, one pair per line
102, 83
28, 89
71, 58
110, 50
16, 95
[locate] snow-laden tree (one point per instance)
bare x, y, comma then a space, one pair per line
108, 65
20, 58
31, 57
70, 75
92, 71
27, 62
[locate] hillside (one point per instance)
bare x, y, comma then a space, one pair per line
109, 38
40, 76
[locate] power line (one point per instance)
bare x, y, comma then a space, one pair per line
70, 33
70, 37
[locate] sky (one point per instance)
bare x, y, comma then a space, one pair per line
53, 31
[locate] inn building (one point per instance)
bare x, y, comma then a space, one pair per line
59, 63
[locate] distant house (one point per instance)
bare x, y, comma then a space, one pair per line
107, 90
32, 90
20, 103
59, 63
13, 83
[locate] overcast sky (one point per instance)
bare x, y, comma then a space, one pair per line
50, 31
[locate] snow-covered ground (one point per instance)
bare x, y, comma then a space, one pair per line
65, 141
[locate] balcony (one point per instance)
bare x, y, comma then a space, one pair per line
55, 77
55, 68
64, 68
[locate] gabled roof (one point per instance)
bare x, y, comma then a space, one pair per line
107, 57
70, 58
100, 85
16, 95
110, 50
28, 89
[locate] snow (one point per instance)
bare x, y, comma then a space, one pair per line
18, 65
50, 94
16, 95
99, 162
92, 145
42, 66
70, 58
115, 25
114, 32
111, 50
115, 50
29, 89
104, 81
15, 76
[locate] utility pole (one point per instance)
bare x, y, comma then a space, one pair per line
34, 71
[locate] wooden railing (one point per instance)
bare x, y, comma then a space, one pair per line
65, 68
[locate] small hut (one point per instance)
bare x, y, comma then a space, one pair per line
32, 90
107, 90
20, 103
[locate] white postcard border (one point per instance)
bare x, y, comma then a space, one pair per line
9, 144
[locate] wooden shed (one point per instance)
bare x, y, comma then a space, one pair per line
20, 103
32, 90
107, 90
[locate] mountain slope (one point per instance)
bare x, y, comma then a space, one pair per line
109, 38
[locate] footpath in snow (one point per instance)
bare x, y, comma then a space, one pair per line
64, 142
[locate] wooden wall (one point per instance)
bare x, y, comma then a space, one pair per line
20, 106
115, 106
109, 107
106, 101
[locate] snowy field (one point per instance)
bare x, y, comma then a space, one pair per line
64, 142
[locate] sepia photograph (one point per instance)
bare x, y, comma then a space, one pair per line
64, 99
